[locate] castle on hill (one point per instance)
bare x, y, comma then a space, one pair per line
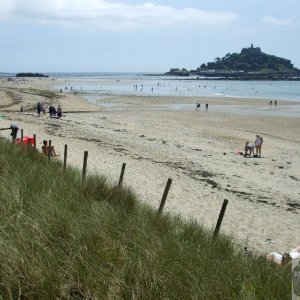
250, 63
252, 50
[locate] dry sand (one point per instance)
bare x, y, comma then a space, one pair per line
196, 149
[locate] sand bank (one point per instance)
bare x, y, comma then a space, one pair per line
196, 149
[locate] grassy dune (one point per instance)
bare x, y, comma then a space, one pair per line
61, 239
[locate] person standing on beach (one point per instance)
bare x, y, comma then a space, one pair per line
52, 111
43, 108
198, 105
59, 111
206, 106
275, 103
39, 109
258, 142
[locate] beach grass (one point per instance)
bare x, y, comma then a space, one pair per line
64, 239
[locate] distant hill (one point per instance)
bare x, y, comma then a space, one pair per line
250, 63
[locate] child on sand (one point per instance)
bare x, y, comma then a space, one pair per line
45, 149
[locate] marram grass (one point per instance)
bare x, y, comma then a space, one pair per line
61, 239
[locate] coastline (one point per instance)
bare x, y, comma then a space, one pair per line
197, 149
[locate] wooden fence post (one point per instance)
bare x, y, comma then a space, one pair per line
65, 157
49, 150
220, 219
164, 197
85, 157
34, 141
22, 136
122, 175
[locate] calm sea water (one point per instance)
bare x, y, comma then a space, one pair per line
88, 84
100, 87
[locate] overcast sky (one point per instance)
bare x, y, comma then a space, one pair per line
141, 36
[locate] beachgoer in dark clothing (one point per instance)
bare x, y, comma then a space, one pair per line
52, 111
39, 109
206, 106
14, 131
198, 105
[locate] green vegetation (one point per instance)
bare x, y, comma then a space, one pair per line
31, 75
250, 60
62, 239
250, 64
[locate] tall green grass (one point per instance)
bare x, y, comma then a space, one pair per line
61, 239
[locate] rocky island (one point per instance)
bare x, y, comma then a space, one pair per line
250, 64
30, 75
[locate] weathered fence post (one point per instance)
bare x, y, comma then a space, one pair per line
220, 219
34, 141
49, 150
164, 197
85, 157
65, 157
122, 175
22, 136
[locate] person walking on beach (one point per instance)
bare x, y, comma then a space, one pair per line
275, 103
258, 142
198, 105
39, 109
206, 106
270, 103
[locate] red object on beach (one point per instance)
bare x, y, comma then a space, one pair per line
26, 140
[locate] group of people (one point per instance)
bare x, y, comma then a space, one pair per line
55, 112
29, 141
249, 148
41, 108
271, 103
198, 106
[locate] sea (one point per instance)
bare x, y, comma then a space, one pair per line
97, 87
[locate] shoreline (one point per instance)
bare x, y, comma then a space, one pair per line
189, 147
101, 87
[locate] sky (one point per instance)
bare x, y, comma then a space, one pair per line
141, 36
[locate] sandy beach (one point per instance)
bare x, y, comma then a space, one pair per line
198, 150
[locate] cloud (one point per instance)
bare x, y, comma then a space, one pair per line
276, 21
6, 9
106, 15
